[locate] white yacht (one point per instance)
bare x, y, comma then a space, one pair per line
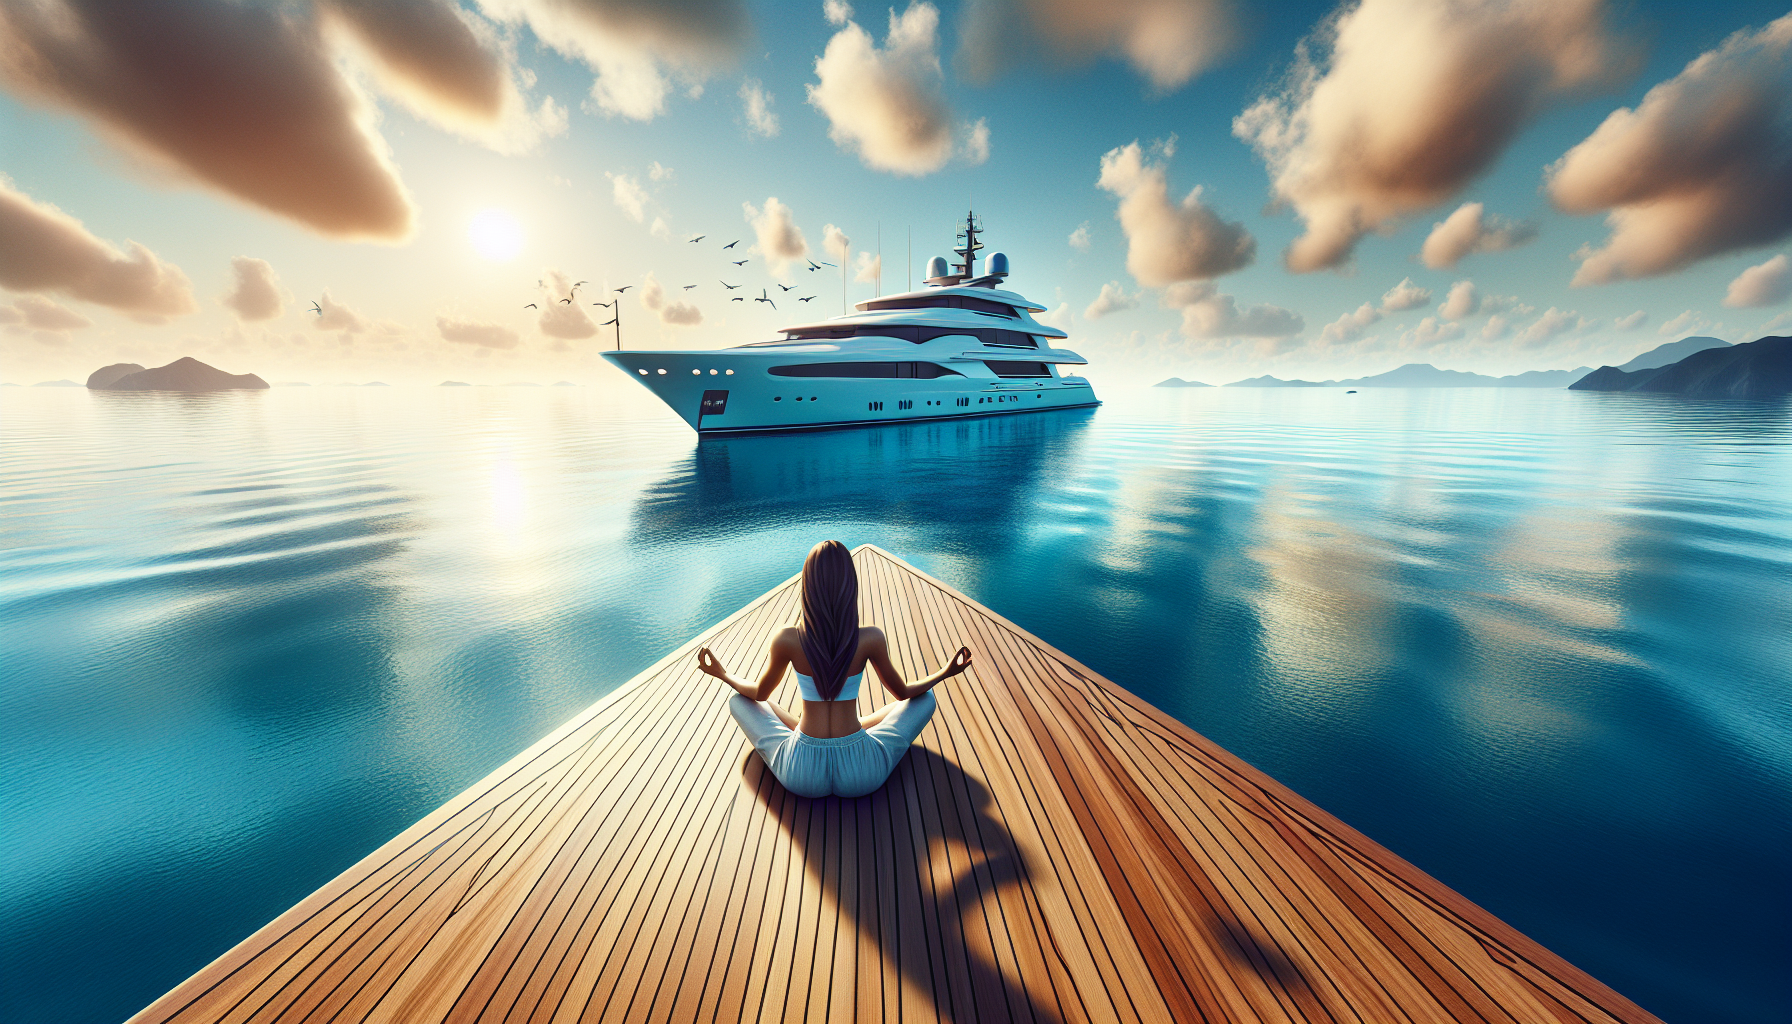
962, 346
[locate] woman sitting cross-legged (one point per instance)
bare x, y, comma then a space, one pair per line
830, 750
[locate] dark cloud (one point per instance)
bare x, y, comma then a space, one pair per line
43, 249
245, 98
1702, 166
1167, 41
1394, 106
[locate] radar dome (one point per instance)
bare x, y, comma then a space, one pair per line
996, 265
936, 267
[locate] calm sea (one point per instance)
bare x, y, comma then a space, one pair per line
1538, 643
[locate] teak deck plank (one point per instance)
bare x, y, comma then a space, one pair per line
1053, 849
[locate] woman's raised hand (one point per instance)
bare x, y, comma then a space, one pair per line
959, 662
707, 662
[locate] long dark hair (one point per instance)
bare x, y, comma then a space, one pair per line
830, 629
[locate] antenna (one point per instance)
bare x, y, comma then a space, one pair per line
908, 262
878, 286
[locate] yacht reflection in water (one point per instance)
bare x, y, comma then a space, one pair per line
972, 477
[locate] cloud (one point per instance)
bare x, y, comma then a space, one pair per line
1351, 326
659, 172
1169, 242
1113, 299
1506, 304
43, 249
565, 320
337, 317
1765, 284
1395, 105
635, 47
1167, 41
1702, 166
1207, 313
779, 239
1079, 239
976, 143
476, 332
257, 292
1685, 323
1405, 296
447, 66
675, 314
39, 313
1495, 328
760, 119
1466, 231
869, 267
1432, 331
838, 12
660, 229
630, 197
1631, 322
885, 104
835, 243
1462, 301
244, 98
1551, 323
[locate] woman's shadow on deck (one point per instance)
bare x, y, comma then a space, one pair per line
931, 878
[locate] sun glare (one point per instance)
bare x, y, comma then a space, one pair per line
496, 235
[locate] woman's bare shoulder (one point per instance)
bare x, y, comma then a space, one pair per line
871, 638
787, 638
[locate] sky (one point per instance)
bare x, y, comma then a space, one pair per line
345, 191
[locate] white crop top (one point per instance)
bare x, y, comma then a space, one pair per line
849, 690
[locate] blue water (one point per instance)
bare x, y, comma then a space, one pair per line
1538, 643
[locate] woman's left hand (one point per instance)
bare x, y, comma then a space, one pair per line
708, 663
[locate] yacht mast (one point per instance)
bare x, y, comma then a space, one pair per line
971, 245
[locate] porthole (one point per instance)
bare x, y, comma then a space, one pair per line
812, 398
662, 371
729, 372
712, 373
642, 372
696, 373
777, 398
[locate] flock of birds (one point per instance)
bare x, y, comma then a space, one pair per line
572, 295
764, 295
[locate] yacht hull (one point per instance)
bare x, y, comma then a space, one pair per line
729, 391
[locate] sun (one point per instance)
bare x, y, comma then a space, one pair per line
496, 235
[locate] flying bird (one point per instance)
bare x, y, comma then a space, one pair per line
765, 300
737, 298
531, 306
315, 308
610, 303
688, 287
805, 298
730, 287
622, 289
606, 323
581, 282
732, 244
741, 263
566, 302
699, 238
817, 266
787, 287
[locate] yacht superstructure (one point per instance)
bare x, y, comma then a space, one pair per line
961, 346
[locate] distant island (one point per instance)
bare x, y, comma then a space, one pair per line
454, 384
1424, 375
184, 374
1758, 369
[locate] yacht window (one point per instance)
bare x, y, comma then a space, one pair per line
945, 302
921, 371
1007, 369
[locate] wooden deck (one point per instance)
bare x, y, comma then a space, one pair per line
1052, 849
